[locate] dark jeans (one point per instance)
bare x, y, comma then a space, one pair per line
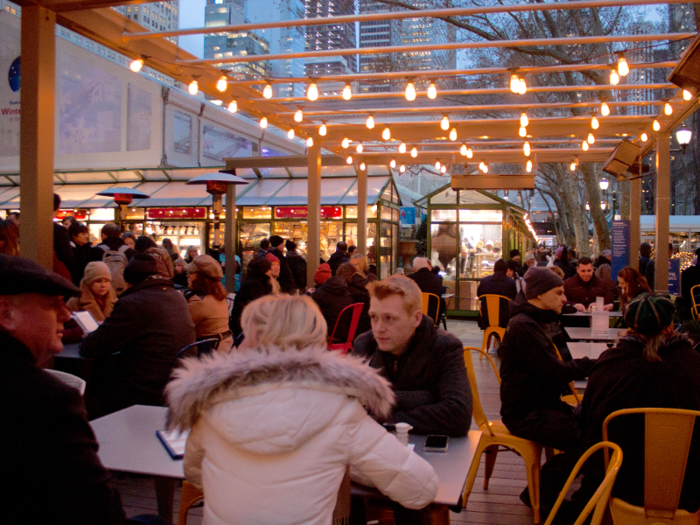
145, 519
402, 515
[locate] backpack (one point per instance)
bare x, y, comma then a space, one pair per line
116, 261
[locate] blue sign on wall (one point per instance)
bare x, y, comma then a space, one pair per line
407, 216
620, 247
674, 276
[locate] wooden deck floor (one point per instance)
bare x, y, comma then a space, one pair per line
499, 505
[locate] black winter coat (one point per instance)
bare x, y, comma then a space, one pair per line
331, 297
297, 265
428, 282
532, 376
50, 469
429, 380
82, 255
336, 260
287, 282
149, 325
497, 284
623, 378
254, 287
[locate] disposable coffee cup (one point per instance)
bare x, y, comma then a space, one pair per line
402, 430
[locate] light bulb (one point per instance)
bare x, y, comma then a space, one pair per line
644, 137
233, 106
310, 141
656, 125
588, 206
687, 95
222, 85
594, 123
622, 66
392, 163
363, 166
668, 109
386, 134
443, 169
263, 122
445, 123
402, 147
410, 92
604, 109
584, 145
432, 91
312, 92
522, 131
522, 86
514, 83
572, 167
591, 138
290, 134
359, 148
437, 165
402, 169
346, 143
453, 134
370, 122
347, 92
323, 130
524, 121
470, 153
267, 91
463, 150
414, 153
614, 77
526, 148
193, 88
298, 116
603, 205
137, 64
528, 166
349, 159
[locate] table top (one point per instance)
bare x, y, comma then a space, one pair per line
448, 295
70, 351
128, 443
588, 314
586, 334
586, 349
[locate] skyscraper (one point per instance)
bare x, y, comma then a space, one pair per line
157, 16
331, 36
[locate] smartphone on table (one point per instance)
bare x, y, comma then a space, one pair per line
434, 443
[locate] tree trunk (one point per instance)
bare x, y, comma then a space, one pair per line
600, 223
577, 213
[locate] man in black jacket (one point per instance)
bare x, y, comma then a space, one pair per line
339, 257
287, 282
428, 282
497, 284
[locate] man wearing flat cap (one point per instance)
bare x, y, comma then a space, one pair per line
149, 325
50, 469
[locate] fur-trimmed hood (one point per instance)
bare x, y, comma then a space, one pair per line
294, 392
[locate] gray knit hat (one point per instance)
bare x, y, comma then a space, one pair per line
540, 280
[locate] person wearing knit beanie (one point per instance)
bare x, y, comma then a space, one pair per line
97, 295
539, 281
140, 268
322, 274
649, 314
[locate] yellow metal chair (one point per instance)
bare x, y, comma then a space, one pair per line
574, 398
492, 317
189, 497
600, 498
425, 305
668, 434
495, 434
695, 310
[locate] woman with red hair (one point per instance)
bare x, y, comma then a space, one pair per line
631, 284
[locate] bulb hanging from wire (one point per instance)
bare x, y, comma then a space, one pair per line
363, 166
594, 123
524, 121
604, 109
445, 123
310, 141
410, 92
522, 86
622, 67
323, 130
483, 167
345, 143
359, 148
687, 95
470, 153
614, 77
414, 153
298, 116
584, 145
644, 137
349, 159
402, 147
572, 166
136, 65
267, 91
453, 134
432, 91
290, 134
402, 169
193, 87
656, 125
463, 150
347, 92
370, 122
522, 131
386, 134
528, 166
437, 165
312, 92
443, 169
526, 148
668, 109
591, 138
233, 106
263, 122
392, 164
514, 83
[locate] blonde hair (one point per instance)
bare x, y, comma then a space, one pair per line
399, 285
362, 263
286, 322
558, 271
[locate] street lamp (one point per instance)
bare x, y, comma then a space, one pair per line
604, 184
683, 137
123, 197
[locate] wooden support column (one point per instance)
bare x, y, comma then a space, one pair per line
635, 217
362, 211
662, 200
313, 247
36, 165
230, 238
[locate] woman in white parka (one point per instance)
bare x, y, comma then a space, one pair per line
274, 424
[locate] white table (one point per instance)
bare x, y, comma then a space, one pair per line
586, 334
588, 314
590, 350
128, 443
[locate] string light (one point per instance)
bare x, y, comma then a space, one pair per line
526, 148
483, 167
588, 206
345, 143
572, 167
432, 91
359, 148
687, 95
298, 116
437, 165
363, 166
310, 141
312, 92
614, 77
522, 86
445, 123
267, 90
622, 67
463, 150
594, 123
402, 168
668, 109
644, 137
656, 125
524, 121
349, 159
392, 163
414, 153
522, 131
347, 92
470, 153
263, 122
386, 134
290, 134
402, 147
410, 92
514, 84
528, 166
591, 138
584, 145
604, 109
193, 88
136, 65
323, 130
233, 106
370, 122
443, 169
453, 134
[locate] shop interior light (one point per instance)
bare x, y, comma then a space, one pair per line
359, 148
136, 65
668, 109
233, 106
463, 150
594, 123
453, 134
402, 168
614, 77
346, 143
312, 92
622, 67
526, 148
584, 145
263, 122
347, 92
604, 109
310, 141
410, 92
591, 138
443, 169
656, 125
370, 122
522, 131
644, 137
298, 116
524, 121
323, 130
267, 91
445, 123
349, 159
363, 166
392, 163
528, 166
402, 147
193, 87
687, 95
414, 153
290, 134
386, 134
514, 83
432, 90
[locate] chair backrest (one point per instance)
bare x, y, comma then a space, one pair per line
572, 385
493, 304
356, 310
477, 410
601, 496
204, 346
695, 298
668, 434
69, 379
426, 299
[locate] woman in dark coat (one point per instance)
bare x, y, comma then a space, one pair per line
332, 296
256, 285
357, 286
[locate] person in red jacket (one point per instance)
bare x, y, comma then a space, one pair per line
582, 289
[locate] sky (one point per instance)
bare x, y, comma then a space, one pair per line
192, 15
